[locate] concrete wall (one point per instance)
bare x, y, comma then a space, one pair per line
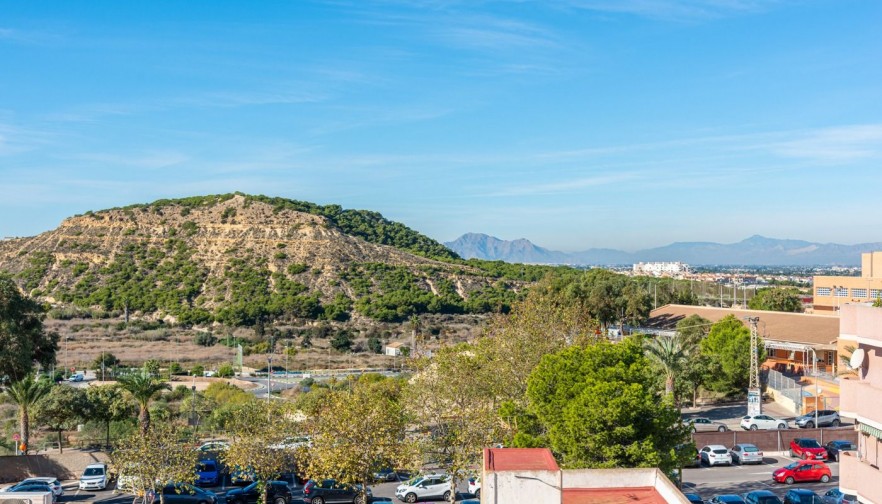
65, 466
775, 440
523, 486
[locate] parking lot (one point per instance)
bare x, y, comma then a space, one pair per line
739, 479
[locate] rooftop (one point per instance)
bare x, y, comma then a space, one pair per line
647, 495
518, 459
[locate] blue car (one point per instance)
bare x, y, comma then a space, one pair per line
207, 473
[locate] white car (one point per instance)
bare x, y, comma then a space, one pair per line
764, 422
428, 487
53, 483
715, 455
94, 477
475, 486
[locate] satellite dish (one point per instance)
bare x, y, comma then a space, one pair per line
857, 358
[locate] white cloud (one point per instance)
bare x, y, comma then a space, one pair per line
833, 145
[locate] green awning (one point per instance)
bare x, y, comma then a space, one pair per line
869, 429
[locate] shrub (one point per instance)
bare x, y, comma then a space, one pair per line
175, 368
205, 339
197, 370
225, 371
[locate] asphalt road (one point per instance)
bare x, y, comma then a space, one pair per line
737, 479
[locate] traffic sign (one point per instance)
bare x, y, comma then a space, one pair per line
16, 437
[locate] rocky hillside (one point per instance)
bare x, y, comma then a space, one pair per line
242, 260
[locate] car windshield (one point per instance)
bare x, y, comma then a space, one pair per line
809, 443
93, 471
792, 466
768, 499
207, 466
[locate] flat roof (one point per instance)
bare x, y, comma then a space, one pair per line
808, 329
519, 459
633, 495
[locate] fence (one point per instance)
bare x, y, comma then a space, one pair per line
774, 440
786, 386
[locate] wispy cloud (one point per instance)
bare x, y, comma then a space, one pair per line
563, 186
151, 160
30, 37
834, 145
675, 9
16, 139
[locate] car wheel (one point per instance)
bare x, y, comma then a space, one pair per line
810, 425
411, 498
791, 453
782, 426
317, 500
834, 423
789, 480
722, 428
825, 478
446, 497
478, 494
753, 427
360, 499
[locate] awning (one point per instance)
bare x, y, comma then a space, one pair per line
869, 429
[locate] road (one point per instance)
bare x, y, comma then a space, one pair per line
737, 479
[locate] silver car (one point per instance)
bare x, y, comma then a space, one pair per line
824, 417
746, 453
703, 424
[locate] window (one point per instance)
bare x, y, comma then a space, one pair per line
860, 293
875, 293
822, 291
840, 292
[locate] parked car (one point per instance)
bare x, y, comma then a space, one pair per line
835, 496
761, 497
79, 376
242, 476
329, 491
214, 446
726, 499
807, 448
184, 493
36, 487
746, 453
762, 422
715, 455
475, 486
277, 493
387, 474
703, 424
94, 477
834, 447
430, 486
207, 473
804, 470
693, 498
802, 496
52, 482
825, 417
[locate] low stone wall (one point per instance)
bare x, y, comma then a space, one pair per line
66, 466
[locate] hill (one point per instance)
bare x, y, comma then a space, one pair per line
244, 260
756, 250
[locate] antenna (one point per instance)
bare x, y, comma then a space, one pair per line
754, 394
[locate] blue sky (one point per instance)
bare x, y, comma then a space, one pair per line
574, 123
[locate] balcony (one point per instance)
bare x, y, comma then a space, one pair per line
860, 477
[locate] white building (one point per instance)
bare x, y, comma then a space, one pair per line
661, 268
394, 349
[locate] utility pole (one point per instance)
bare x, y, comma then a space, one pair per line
754, 393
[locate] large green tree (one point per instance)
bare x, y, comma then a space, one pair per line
151, 460
23, 341
598, 407
776, 299
108, 403
143, 387
61, 409
727, 347
25, 394
669, 355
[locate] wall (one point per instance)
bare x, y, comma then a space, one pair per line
523, 486
772, 441
65, 466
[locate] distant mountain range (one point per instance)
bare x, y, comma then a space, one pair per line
756, 250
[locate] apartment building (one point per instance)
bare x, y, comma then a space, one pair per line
861, 399
831, 292
661, 268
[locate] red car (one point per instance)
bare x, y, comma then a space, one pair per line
803, 470
807, 448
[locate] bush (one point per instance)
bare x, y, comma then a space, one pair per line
375, 345
342, 342
205, 339
197, 370
175, 368
225, 371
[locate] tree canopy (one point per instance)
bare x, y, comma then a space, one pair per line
23, 341
727, 347
776, 299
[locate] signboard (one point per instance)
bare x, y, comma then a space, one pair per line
754, 402
16, 437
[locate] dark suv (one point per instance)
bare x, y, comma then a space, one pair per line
277, 493
802, 496
330, 492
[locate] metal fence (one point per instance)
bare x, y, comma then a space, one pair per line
786, 386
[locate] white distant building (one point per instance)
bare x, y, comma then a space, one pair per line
661, 268
394, 349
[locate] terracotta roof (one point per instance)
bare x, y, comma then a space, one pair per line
775, 326
519, 459
634, 495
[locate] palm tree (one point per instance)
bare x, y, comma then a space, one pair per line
26, 393
669, 353
143, 388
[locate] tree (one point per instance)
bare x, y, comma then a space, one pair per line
260, 440
727, 347
669, 355
107, 404
225, 370
775, 299
26, 393
143, 389
598, 408
61, 409
106, 361
694, 372
151, 459
23, 340
355, 433
456, 409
